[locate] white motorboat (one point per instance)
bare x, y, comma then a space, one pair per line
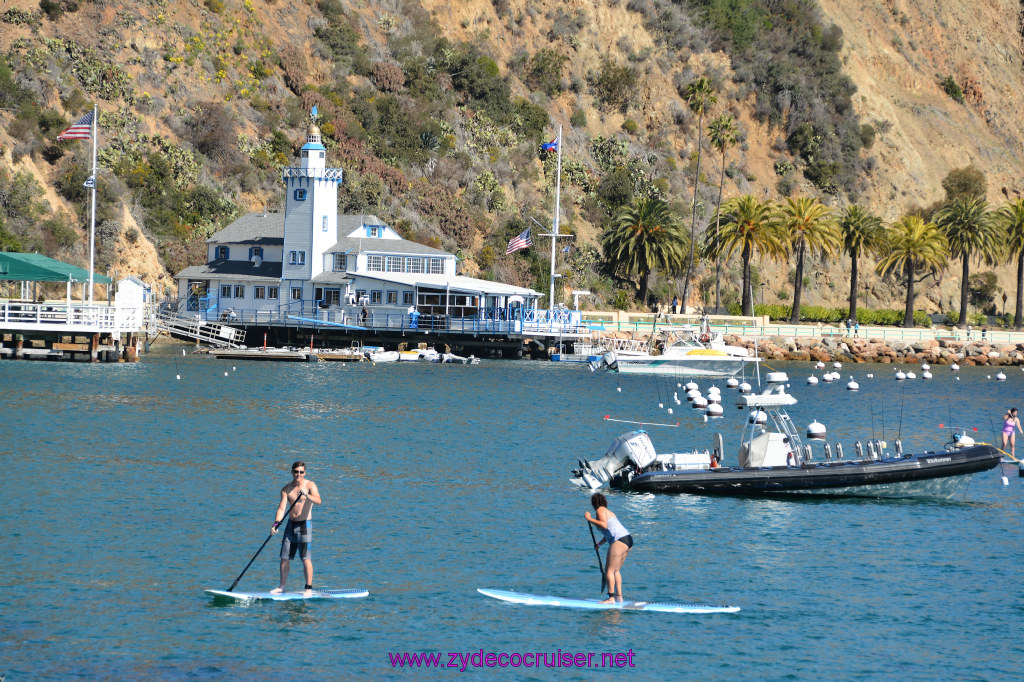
695, 351
378, 354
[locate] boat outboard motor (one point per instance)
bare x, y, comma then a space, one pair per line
899, 448
839, 451
871, 450
828, 452
859, 449
808, 456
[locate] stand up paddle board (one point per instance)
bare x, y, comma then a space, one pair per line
288, 596
625, 605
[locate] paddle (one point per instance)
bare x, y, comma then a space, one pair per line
235, 584
604, 579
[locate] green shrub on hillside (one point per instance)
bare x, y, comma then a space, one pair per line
952, 88
615, 84
544, 71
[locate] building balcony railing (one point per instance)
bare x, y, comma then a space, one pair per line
76, 317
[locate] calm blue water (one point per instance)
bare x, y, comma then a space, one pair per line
127, 492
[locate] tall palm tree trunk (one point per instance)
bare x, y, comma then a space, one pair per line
746, 297
908, 315
718, 221
644, 277
693, 223
963, 292
794, 316
853, 284
1018, 316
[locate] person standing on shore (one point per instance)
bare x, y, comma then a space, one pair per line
298, 533
1011, 424
619, 543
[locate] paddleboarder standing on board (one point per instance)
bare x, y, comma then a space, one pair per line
619, 543
298, 533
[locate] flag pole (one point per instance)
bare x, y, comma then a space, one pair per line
554, 237
92, 217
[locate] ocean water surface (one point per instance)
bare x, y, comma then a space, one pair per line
128, 491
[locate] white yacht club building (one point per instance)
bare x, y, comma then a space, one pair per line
310, 265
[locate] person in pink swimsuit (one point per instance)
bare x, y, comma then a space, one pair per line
1011, 424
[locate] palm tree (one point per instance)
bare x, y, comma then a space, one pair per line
722, 133
810, 227
645, 235
862, 232
912, 243
749, 228
971, 231
1011, 215
700, 96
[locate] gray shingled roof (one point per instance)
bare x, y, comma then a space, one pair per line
254, 228
233, 269
356, 245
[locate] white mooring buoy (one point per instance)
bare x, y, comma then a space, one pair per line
852, 385
816, 430
812, 380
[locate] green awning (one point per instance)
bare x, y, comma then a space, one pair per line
33, 267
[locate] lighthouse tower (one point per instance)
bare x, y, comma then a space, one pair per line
311, 211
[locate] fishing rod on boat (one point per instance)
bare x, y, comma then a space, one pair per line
641, 423
903, 399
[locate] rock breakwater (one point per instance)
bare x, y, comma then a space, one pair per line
861, 350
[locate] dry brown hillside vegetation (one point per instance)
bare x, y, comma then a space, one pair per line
437, 111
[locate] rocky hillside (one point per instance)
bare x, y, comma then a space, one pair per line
434, 111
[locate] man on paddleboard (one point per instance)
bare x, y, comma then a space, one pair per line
298, 533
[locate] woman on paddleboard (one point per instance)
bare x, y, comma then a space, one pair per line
619, 543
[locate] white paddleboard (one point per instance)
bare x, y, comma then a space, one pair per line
625, 605
288, 596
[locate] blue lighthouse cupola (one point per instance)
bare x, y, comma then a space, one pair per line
313, 153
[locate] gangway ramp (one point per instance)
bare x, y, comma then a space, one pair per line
213, 333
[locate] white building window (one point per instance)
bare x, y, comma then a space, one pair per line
414, 265
406, 298
375, 297
375, 263
259, 292
375, 230
340, 262
302, 257
222, 253
272, 293
324, 227
392, 298
293, 257
435, 266
225, 291
296, 293
395, 264
239, 291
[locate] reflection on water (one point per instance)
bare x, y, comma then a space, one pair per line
438, 480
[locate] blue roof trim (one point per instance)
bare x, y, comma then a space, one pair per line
314, 145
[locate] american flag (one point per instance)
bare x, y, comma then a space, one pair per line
79, 130
518, 243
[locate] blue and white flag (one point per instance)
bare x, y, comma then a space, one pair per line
520, 242
550, 146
